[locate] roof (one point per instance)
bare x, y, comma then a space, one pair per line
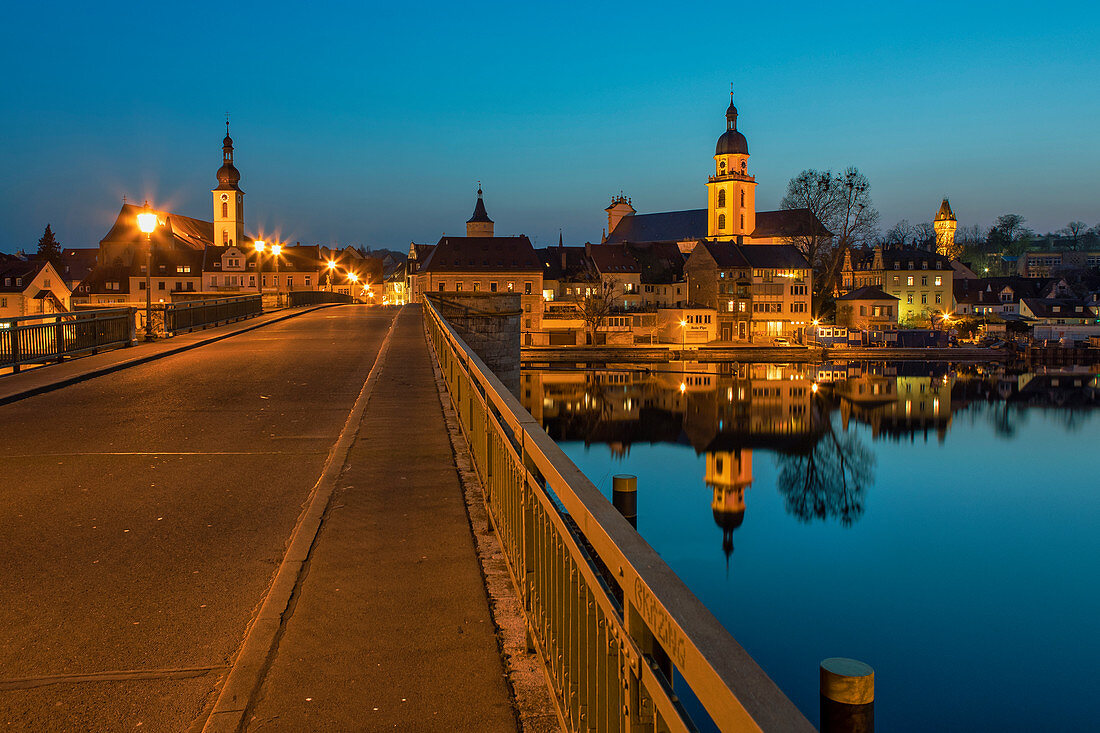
987, 290
863, 259
774, 256
1067, 308
481, 254
869, 292
173, 230
480, 215
727, 255
25, 270
577, 264
789, 223
670, 226
613, 258
945, 213
76, 264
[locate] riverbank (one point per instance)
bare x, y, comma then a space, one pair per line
658, 354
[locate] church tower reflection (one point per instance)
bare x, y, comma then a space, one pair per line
728, 474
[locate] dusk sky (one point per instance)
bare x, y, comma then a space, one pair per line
371, 124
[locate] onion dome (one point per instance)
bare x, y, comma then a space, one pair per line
228, 175
732, 142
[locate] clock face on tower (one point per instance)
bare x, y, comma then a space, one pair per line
225, 197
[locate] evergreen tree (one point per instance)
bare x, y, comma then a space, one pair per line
49, 248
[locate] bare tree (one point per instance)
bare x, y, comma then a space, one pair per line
925, 235
829, 480
1074, 230
900, 234
840, 201
596, 304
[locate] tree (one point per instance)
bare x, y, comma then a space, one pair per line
1009, 229
926, 236
49, 248
900, 234
596, 305
842, 203
828, 481
1074, 230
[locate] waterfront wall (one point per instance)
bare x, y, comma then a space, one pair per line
489, 323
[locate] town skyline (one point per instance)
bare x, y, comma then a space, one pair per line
385, 151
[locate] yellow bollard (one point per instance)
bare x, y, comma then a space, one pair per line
847, 696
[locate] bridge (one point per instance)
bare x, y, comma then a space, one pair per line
263, 526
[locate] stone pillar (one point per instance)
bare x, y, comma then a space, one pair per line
489, 323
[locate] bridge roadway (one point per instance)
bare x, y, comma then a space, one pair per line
144, 514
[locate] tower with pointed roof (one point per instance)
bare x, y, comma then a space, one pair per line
945, 225
228, 198
479, 225
731, 191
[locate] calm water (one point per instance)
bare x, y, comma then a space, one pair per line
940, 524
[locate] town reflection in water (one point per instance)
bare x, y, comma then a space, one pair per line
800, 413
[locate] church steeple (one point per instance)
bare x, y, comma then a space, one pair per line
731, 199
479, 225
228, 198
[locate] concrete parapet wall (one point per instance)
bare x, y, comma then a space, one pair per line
489, 323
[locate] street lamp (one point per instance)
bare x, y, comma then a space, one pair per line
683, 334
275, 250
259, 244
147, 222
354, 279
331, 273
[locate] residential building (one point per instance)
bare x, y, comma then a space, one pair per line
1044, 264
922, 281
867, 309
30, 288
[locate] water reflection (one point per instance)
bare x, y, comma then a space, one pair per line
728, 411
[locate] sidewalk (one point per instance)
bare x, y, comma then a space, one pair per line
32, 381
390, 628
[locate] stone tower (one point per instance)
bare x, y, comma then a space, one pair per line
479, 225
731, 191
228, 198
945, 225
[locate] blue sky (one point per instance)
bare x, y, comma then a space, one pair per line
371, 124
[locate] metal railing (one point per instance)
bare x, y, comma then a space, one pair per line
316, 297
192, 314
609, 618
45, 338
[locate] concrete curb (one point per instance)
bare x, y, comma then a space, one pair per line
138, 360
262, 638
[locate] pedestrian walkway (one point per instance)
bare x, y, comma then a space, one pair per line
391, 626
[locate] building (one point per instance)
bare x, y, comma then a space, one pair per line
922, 281
77, 264
999, 295
945, 225
867, 309
1044, 264
30, 288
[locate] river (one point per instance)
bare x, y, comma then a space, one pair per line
937, 522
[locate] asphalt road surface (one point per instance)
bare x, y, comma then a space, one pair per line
143, 515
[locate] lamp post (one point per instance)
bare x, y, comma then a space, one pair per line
147, 222
683, 335
331, 273
275, 250
354, 280
259, 244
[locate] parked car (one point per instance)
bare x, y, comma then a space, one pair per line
781, 341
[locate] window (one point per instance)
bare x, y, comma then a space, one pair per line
909, 280
721, 221
458, 287
897, 280
909, 298
3, 302
863, 310
742, 193
141, 285
527, 308
441, 287
477, 286
939, 298
527, 288
924, 298
527, 322
924, 280
160, 285
46, 282
939, 280
798, 307
225, 210
742, 221
289, 281
492, 287
19, 282
307, 281
511, 286
225, 236
721, 198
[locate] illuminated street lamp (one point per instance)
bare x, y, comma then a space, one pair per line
354, 279
259, 244
683, 334
331, 273
147, 222
275, 250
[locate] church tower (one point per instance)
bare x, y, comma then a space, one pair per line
731, 191
945, 225
228, 199
479, 225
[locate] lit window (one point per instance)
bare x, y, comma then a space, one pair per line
721, 198
721, 221
939, 280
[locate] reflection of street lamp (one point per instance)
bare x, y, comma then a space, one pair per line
147, 222
331, 273
275, 250
259, 245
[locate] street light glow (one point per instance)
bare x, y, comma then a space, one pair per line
331, 264
147, 220
259, 244
276, 249
353, 277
